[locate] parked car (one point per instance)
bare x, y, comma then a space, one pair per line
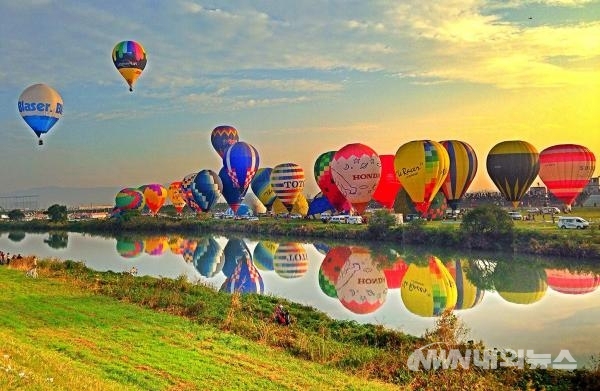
572, 222
354, 220
515, 215
550, 209
340, 219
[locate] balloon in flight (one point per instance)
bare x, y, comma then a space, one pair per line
130, 60
222, 137
462, 170
566, 170
40, 107
356, 169
513, 166
422, 167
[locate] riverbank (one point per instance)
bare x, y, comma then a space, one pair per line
535, 238
182, 335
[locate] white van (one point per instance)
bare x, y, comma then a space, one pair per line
354, 220
343, 219
572, 222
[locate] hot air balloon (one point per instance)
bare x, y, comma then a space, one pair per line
287, 180
241, 161
130, 199
233, 195
319, 204
155, 196
463, 167
322, 171
174, 194
244, 279
566, 170
186, 192
469, 294
513, 166
572, 283
209, 257
189, 249
254, 203
129, 58
156, 245
422, 167
264, 254
361, 287
389, 185
40, 107
519, 283
206, 189
356, 170
176, 245
129, 248
436, 211
235, 250
428, 290
222, 137
290, 260
261, 187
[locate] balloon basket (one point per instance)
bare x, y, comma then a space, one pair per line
40, 142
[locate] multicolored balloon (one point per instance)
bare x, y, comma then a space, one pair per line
422, 167
356, 169
361, 286
209, 257
176, 244
261, 187
235, 250
206, 189
389, 185
189, 249
156, 245
187, 194
174, 194
463, 167
322, 172
155, 195
241, 161
566, 170
244, 279
130, 199
513, 166
130, 60
428, 290
287, 180
129, 248
222, 137
40, 107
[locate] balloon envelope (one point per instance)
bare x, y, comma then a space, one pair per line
462, 170
209, 257
244, 279
572, 283
129, 248
155, 196
356, 170
241, 161
129, 58
566, 170
233, 195
130, 199
206, 189
513, 166
187, 194
264, 253
422, 167
174, 194
261, 186
235, 250
222, 137
389, 185
287, 180
324, 178
290, 260
40, 107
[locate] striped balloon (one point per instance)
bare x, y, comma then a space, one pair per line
513, 166
290, 260
566, 170
287, 180
463, 167
206, 189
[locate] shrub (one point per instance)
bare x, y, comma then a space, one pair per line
487, 226
380, 223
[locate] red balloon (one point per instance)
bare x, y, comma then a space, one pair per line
389, 185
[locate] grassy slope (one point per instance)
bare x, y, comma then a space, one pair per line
56, 336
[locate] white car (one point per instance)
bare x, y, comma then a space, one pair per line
340, 219
572, 222
354, 220
515, 215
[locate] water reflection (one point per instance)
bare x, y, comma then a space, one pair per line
520, 283
16, 236
129, 248
209, 257
57, 240
245, 277
290, 260
572, 283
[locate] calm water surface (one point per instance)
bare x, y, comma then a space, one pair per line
506, 304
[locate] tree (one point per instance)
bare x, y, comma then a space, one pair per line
16, 215
57, 213
380, 223
487, 226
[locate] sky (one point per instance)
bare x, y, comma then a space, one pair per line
295, 78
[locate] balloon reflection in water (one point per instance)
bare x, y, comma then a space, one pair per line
235, 250
290, 260
330, 268
264, 254
189, 248
176, 245
394, 273
469, 295
428, 290
519, 283
156, 245
209, 257
361, 287
245, 278
572, 283
129, 248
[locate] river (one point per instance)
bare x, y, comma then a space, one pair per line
508, 304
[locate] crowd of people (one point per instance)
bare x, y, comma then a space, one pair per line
5, 258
